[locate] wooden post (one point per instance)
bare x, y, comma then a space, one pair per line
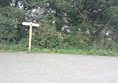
30, 37
30, 32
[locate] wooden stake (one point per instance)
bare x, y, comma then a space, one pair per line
30, 37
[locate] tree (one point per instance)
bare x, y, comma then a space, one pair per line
90, 22
89, 17
9, 21
4, 3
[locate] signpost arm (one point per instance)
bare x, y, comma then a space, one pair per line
30, 37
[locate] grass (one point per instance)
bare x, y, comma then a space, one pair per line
23, 48
78, 51
12, 48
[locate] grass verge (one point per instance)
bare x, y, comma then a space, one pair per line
23, 48
78, 51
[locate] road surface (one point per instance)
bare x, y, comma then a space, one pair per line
57, 68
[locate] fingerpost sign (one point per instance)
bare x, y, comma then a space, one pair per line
30, 24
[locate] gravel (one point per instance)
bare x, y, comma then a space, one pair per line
57, 68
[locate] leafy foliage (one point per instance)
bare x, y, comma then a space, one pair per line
92, 23
9, 21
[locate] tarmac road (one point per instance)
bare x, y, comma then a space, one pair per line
57, 68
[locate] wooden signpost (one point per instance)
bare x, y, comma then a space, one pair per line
30, 32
